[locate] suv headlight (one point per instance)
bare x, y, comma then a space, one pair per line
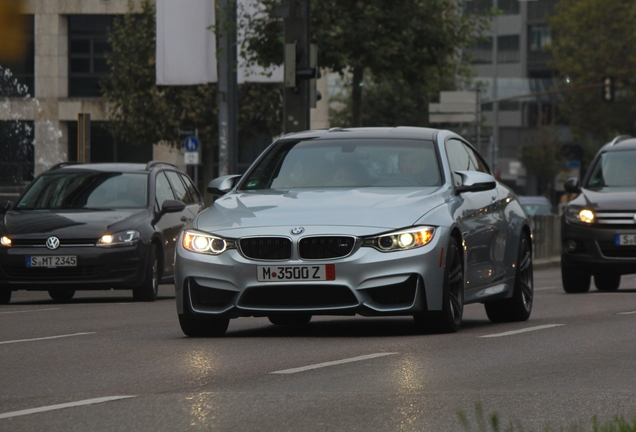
580, 215
5, 241
401, 240
200, 242
122, 238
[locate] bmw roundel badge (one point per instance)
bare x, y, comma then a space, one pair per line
297, 230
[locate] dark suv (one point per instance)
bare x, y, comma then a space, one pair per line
95, 227
598, 228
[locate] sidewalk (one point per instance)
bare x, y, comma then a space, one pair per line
544, 263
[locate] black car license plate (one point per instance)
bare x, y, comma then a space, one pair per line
625, 240
51, 261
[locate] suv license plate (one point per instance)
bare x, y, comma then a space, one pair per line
296, 273
51, 261
625, 240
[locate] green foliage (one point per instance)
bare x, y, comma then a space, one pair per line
493, 423
410, 43
142, 113
543, 156
594, 39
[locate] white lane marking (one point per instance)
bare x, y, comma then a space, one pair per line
30, 310
332, 363
46, 338
529, 329
62, 406
627, 313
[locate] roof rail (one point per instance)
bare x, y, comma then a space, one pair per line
618, 139
155, 163
63, 164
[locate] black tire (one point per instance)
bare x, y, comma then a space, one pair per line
607, 281
449, 319
149, 288
575, 280
61, 294
519, 306
203, 327
291, 320
5, 296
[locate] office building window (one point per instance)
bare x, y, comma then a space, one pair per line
18, 76
16, 148
481, 52
88, 46
508, 49
539, 38
481, 7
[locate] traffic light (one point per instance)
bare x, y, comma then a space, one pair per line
608, 89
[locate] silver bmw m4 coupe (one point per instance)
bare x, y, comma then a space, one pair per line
373, 221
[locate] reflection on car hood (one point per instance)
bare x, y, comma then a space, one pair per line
613, 198
365, 207
66, 223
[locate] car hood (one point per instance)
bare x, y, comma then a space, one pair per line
69, 223
364, 207
608, 198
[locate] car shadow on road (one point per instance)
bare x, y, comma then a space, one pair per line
353, 327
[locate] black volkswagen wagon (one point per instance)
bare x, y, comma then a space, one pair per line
95, 227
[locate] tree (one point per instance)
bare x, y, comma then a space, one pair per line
411, 42
543, 157
143, 113
594, 39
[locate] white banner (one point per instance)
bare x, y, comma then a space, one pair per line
186, 44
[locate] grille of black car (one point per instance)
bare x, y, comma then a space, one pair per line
266, 248
298, 296
53, 274
325, 247
609, 249
41, 242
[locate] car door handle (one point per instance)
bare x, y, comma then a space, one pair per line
184, 219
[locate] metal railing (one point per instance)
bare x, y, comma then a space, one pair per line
546, 230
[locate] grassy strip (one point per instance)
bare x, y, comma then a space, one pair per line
493, 424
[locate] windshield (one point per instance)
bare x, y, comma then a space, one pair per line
614, 169
346, 163
81, 190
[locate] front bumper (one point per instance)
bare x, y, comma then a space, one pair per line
368, 282
98, 268
594, 249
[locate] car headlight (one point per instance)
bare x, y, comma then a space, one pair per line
200, 242
5, 241
580, 215
122, 238
401, 240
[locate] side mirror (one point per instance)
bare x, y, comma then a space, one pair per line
172, 206
222, 185
571, 185
475, 181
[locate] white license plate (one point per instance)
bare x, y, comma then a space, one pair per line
625, 240
296, 273
51, 261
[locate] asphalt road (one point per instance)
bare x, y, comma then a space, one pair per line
105, 363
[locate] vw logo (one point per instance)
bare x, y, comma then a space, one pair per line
52, 243
297, 230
